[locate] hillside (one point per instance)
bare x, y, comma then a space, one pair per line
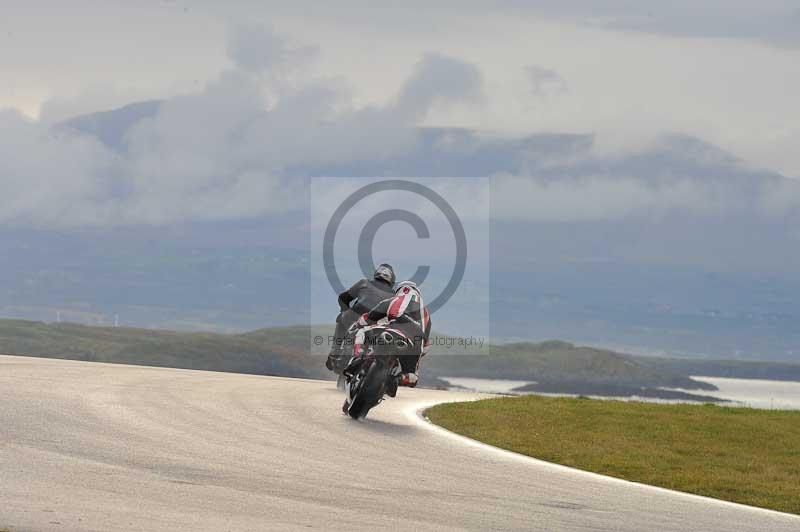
204, 351
560, 363
290, 352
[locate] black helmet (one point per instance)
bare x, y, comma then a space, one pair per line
385, 272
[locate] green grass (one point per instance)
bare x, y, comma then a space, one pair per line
736, 454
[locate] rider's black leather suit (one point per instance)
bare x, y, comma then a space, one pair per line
355, 301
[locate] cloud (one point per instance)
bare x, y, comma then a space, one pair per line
258, 48
439, 79
770, 21
242, 145
635, 69
545, 82
226, 151
775, 22
52, 179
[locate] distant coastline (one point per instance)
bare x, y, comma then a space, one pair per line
752, 393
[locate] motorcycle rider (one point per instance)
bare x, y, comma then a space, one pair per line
363, 296
408, 320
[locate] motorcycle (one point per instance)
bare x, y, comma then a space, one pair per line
370, 377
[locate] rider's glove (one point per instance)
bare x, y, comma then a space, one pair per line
363, 321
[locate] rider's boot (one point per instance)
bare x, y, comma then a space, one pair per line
408, 379
355, 362
330, 363
334, 356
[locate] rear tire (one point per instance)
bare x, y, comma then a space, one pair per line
372, 390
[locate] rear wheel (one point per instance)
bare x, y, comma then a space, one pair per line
372, 390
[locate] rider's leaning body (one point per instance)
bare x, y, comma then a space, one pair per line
357, 300
403, 315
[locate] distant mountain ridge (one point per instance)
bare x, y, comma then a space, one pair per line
448, 152
111, 127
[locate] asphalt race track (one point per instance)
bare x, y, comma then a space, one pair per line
86, 446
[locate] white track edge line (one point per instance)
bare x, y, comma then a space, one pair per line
416, 414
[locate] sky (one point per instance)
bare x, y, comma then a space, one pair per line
650, 133
618, 111
724, 71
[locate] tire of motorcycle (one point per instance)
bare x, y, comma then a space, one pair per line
372, 390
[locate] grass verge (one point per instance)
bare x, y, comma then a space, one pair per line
736, 454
